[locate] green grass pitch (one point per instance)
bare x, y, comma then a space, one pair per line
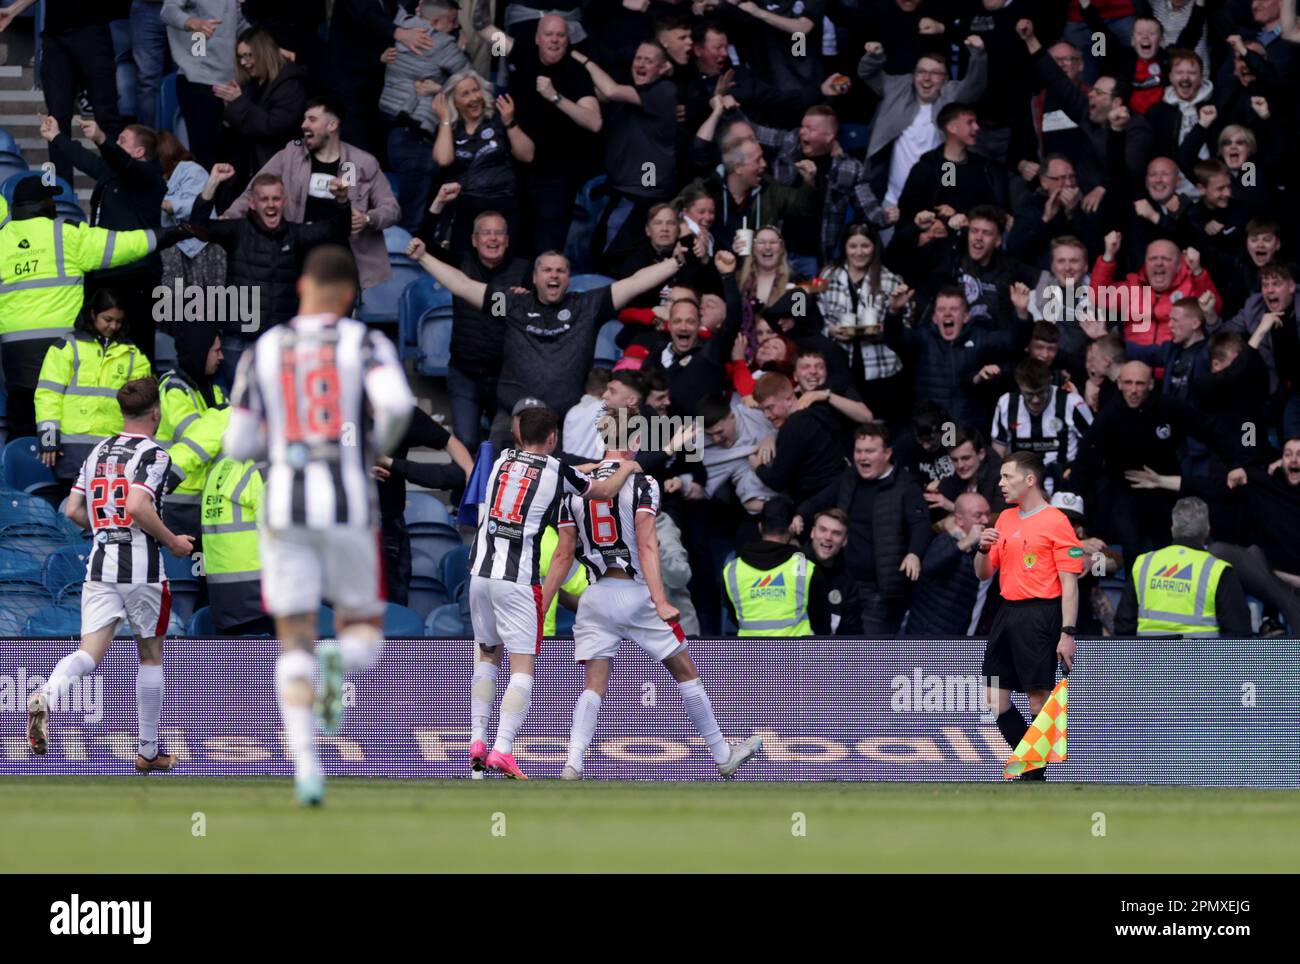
134, 824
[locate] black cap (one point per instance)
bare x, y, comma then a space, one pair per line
32, 190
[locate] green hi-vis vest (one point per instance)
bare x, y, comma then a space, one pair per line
770, 602
42, 264
1176, 588
576, 584
76, 396
231, 500
191, 432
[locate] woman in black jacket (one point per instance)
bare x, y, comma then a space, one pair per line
264, 107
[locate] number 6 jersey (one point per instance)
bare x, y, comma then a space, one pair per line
522, 500
607, 527
123, 552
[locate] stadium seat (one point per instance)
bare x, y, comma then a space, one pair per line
445, 622
9, 144
424, 509
564, 618
421, 299
65, 202
22, 469
169, 107
401, 622
52, 621
587, 208
201, 625
20, 565
19, 600
432, 546
607, 351
453, 569
17, 508
381, 305
64, 572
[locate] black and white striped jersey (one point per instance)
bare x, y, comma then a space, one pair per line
306, 385
607, 527
523, 498
123, 552
1054, 433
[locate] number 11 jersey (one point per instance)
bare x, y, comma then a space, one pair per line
523, 498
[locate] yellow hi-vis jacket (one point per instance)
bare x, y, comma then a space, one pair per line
191, 430
76, 396
232, 498
770, 602
1176, 588
576, 584
42, 269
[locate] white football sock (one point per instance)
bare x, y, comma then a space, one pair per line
149, 686
514, 710
585, 713
360, 645
700, 710
482, 694
71, 668
294, 669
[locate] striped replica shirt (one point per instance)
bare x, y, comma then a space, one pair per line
523, 498
123, 552
301, 396
1053, 433
607, 527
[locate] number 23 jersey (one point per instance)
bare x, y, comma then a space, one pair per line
523, 498
123, 552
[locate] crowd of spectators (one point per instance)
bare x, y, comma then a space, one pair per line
870, 245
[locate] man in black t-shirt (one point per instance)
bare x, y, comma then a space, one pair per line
640, 139
550, 331
556, 106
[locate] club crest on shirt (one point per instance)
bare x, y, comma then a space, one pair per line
1030, 558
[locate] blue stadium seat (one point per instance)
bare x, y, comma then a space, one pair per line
424, 508
20, 565
421, 299
402, 623
446, 622
60, 620
22, 469
169, 107
607, 351
381, 305
588, 208
179, 568
201, 625
66, 204
19, 510
435, 545
453, 569
435, 346
9, 144
19, 600
564, 618
64, 571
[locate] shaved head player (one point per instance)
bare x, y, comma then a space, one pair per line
1037, 556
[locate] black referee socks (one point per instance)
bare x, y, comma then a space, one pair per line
1012, 724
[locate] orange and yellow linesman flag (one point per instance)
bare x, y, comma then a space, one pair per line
1045, 740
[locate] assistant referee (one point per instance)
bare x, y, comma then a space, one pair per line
1033, 548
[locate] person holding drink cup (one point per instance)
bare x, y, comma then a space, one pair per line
858, 291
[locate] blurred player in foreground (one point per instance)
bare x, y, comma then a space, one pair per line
118, 496
322, 396
617, 543
1037, 556
507, 604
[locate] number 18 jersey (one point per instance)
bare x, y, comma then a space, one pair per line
523, 498
607, 527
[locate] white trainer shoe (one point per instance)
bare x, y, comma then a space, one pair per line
740, 754
570, 773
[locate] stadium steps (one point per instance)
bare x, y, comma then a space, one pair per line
19, 102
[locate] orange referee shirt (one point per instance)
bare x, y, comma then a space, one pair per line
1031, 552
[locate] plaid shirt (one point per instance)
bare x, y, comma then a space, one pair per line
846, 183
878, 360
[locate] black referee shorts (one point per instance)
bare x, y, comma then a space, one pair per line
1021, 651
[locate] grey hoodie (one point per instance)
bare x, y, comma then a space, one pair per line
204, 61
